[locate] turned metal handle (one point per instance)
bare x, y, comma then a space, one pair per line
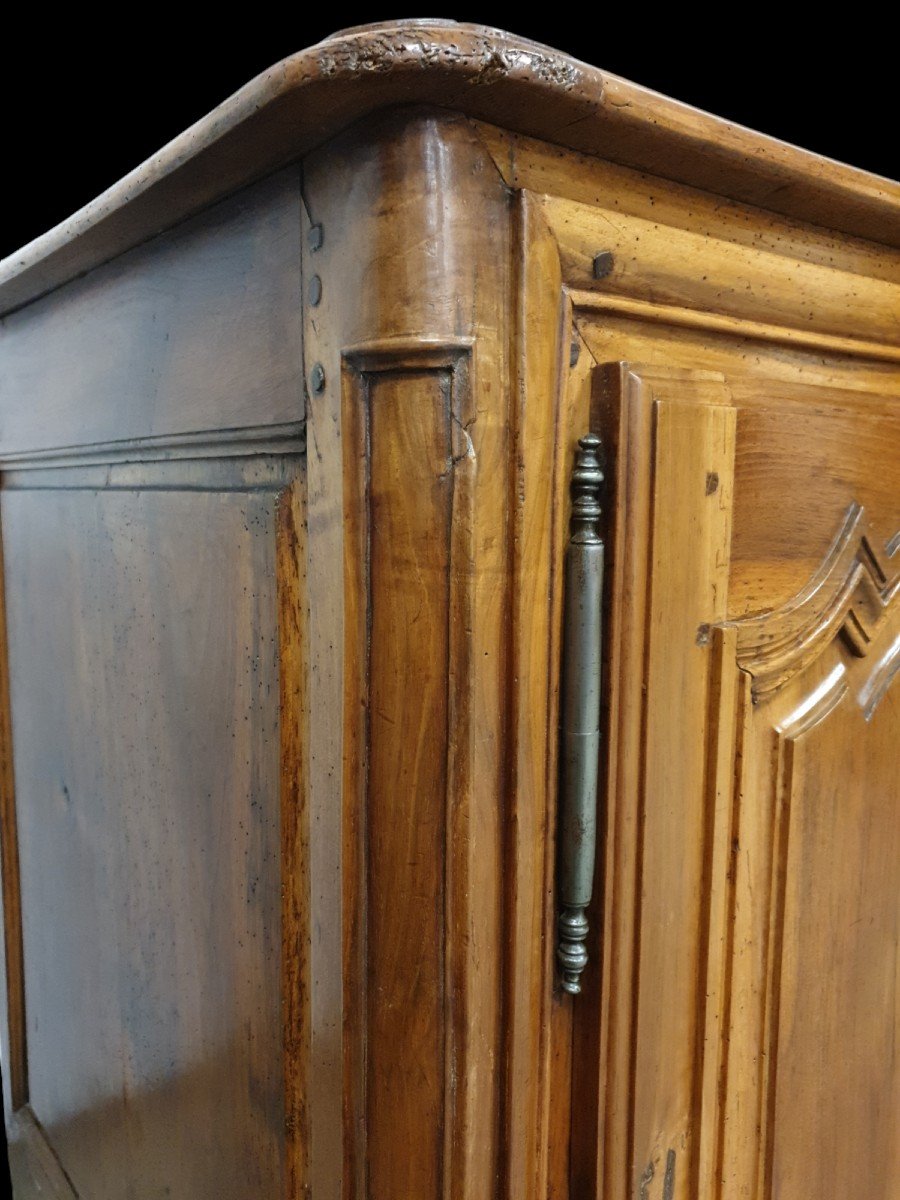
582, 641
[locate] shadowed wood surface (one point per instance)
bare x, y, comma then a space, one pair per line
206, 328
145, 721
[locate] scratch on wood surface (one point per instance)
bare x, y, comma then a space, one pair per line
669, 1180
647, 1179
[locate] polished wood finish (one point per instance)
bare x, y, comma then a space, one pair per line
284, 497
485, 74
412, 339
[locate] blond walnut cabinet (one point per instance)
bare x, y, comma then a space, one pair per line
287, 424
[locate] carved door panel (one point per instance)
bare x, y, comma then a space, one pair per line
813, 1003
745, 1000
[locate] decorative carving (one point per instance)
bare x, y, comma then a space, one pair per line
848, 596
882, 676
486, 58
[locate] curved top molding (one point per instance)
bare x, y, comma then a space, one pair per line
849, 595
481, 72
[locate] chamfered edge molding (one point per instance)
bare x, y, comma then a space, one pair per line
484, 73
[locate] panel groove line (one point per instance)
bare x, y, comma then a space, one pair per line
414, 472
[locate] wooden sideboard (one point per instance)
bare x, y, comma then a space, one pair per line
288, 432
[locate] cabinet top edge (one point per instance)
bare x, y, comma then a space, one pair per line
481, 72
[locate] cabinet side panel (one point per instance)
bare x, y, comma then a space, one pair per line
144, 682
199, 329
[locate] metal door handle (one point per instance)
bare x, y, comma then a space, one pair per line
580, 726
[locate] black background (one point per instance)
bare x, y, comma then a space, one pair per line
85, 99
83, 102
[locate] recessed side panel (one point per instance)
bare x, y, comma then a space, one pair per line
143, 632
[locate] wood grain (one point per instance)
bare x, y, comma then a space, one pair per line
418, 329
836, 1083
528, 88
278, 749
537, 477
197, 330
779, 548
410, 497
549, 170
811, 799
656, 841
746, 329
794, 1053
12, 968
754, 367
291, 549
655, 262
145, 718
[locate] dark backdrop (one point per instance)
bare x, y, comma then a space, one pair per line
83, 103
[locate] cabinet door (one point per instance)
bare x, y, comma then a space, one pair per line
744, 1005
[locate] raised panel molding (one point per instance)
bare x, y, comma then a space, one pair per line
671, 435
850, 596
823, 656
710, 723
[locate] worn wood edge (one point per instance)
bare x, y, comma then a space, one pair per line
742, 327
227, 443
328, 805
294, 700
36, 1172
568, 176
484, 73
628, 428
721, 815
538, 345
12, 1006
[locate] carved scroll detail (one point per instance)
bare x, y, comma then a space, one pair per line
848, 596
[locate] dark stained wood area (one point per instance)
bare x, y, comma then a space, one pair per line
145, 713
